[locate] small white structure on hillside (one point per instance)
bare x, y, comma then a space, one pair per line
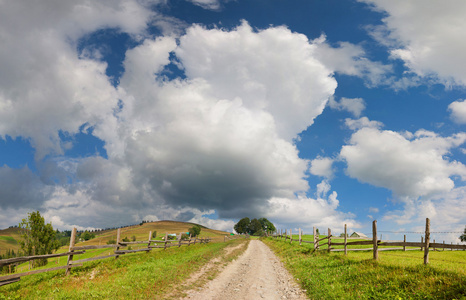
358, 235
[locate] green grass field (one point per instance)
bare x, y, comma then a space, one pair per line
396, 275
151, 275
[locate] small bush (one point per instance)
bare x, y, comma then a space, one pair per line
154, 234
111, 242
184, 237
133, 238
126, 239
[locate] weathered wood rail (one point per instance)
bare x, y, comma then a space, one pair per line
425, 244
76, 250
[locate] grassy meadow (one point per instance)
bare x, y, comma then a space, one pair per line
396, 275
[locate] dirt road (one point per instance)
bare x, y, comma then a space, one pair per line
256, 274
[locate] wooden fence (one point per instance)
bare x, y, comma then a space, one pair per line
76, 250
424, 245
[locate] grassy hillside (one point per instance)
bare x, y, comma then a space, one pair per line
141, 232
9, 240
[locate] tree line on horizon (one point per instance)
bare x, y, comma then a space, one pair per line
257, 227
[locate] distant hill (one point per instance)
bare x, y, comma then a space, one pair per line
9, 239
141, 232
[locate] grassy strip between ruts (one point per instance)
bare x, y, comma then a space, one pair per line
397, 275
132, 276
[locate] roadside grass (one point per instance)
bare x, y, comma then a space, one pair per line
397, 274
132, 276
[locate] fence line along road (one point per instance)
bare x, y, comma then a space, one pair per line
425, 244
75, 250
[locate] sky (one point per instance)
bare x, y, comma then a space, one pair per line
306, 112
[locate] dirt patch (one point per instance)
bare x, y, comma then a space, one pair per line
256, 274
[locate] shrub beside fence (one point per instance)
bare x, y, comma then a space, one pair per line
425, 244
76, 250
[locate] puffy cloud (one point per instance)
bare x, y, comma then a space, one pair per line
350, 59
45, 85
222, 137
352, 105
426, 35
320, 212
410, 167
458, 111
322, 166
274, 71
363, 122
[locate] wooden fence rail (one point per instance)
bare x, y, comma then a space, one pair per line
425, 244
76, 250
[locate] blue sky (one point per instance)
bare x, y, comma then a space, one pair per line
309, 113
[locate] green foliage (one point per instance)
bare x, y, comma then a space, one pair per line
267, 226
195, 230
184, 237
38, 238
154, 234
252, 226
111, 242
133, 238
86, 235
63, 237
463, 236
242, 226
126, 239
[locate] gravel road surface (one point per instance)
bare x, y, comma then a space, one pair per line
256, 274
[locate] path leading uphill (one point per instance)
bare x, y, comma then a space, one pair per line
256, 274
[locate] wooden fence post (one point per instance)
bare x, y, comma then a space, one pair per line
422, 242
443, 246
118, 241
315, 239
426, 249
166, 240
374, 239
329, 240
300, 236
70, 257
291, 236
404, 243
148, 244
434, 245
346, 248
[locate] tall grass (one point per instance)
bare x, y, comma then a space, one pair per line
397, 274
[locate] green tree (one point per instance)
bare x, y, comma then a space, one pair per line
463, 236
38, 238
242, 226
266, 225
154, 234
254, 226
195, 230
86, 235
